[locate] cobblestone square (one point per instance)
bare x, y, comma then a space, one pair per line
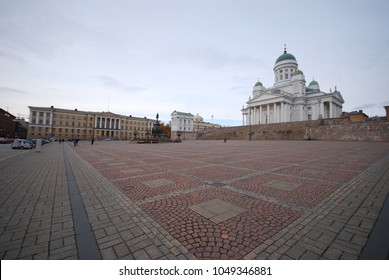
193, 200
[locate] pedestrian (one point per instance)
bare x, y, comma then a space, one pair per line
93, 140
225, 140
74, 142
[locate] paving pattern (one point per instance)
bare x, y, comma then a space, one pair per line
197, 199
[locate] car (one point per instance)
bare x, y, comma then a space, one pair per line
5, 140
22, 144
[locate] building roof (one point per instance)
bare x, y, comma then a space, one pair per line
297, 72
181, 113
286, 56
258, 84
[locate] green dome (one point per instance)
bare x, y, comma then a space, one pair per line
298, 72
258, 84
285, 56
313, 83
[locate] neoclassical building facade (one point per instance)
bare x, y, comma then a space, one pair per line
59, 123
290, 99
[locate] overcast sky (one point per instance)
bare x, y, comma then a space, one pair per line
146, 57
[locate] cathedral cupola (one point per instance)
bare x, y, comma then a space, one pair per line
284, 68
258, 88
313, 87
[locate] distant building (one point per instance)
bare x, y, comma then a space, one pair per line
290, 99
7, 124
356, 116
199, 125
387, 112
186, 122
182, 122
51, 122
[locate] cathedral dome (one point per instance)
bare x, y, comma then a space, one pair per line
285, 56
313, 83
258, 84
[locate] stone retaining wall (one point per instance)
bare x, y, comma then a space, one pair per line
337, 129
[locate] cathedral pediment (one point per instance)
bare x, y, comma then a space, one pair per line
267, 96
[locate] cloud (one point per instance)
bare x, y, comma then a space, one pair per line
214, 59
116, 85
8, 90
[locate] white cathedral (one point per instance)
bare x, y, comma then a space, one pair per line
290, 99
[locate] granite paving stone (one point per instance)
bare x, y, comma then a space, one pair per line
194, 200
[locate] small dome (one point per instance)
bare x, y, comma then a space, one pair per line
198, 118
313, 83
258, 84
298, 72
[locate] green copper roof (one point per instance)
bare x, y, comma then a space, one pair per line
258, 84
298, 72
313, 83
285, 56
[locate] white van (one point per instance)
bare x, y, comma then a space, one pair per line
21, 144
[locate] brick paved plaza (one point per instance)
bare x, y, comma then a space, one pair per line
193, 200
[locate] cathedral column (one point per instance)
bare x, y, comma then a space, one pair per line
302, 113
331, 109
268, 114
322, 109
282, 112
255, 116
44, 118
260, 114
275, 112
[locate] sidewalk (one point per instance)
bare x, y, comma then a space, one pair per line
127, 201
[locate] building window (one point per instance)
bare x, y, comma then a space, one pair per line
309, 117
286, 75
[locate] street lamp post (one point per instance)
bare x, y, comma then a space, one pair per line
250, 133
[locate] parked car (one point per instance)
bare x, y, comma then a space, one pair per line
22, 144
6, 140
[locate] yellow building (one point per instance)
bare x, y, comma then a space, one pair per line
51, 122
199, 125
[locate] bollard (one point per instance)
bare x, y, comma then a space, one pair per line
38, 147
